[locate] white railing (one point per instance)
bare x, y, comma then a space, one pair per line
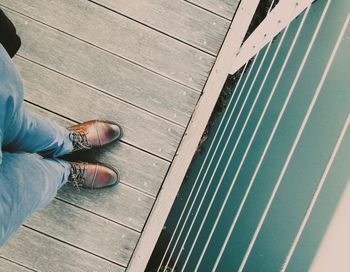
232, 56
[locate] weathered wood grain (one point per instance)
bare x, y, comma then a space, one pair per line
122, 36
120, 203
225, 8
80, 102
178, 19
137, 168
85, 230
104, 71
7, 266
42, 253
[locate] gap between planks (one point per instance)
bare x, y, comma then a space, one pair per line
212, 11
8, 265
71, 245
19, 249
184, 37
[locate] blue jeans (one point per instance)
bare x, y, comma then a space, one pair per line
27, 180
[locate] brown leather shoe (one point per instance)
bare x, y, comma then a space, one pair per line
95, 133
92, 175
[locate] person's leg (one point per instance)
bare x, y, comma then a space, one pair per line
27, 182
30, 133
21, 130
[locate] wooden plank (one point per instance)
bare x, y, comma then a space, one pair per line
120, 203
225, 8
7, 266
42, 253
137, 168
86, 231
192, 137
60, 94
104, 71
116, 33
178, 19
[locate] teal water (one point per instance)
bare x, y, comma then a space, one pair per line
234, 163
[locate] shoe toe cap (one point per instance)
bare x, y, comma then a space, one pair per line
115, 131
106, 177
109, 132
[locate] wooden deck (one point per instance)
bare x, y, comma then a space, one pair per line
141, 63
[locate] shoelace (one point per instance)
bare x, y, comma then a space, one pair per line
77, 175
79, 140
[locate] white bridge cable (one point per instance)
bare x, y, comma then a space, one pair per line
323, 178
206, 157
216, 167
213, 155
262, 219
205, 162
202, 166
217, 164
253, 137
246, 151
207, 188
231, 156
